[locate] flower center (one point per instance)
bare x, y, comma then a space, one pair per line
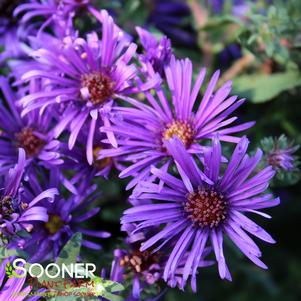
54, 224
183, 130
139, 261
100, 164
6, 207
100, 87
29, 142
206, 207
274, 160
9, 205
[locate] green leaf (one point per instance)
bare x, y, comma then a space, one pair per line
9, 270
262, 88
4, 253
71, 250
109, 285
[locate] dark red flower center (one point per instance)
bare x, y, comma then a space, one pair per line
100, 87
138, 261
183, 130
29, 142
206, 207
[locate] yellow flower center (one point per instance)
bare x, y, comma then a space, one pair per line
54, 224
183, 130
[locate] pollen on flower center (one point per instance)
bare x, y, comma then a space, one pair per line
54, 224
29, 142
100, 87
9, 205
139, 261
206, 208
6, 207
183, 130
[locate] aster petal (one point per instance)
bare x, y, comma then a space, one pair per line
170, 230
236, 158
177, 150
182, 245
47, 194
252, 227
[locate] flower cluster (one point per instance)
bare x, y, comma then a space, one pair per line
76, 106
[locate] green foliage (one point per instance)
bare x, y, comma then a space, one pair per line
273, 32
9, 270
71, 250
221, 31
265, 87
5, 253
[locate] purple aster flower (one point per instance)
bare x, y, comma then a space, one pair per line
66, 216
52, 10
143, 128
33, 133
83, 78
12, 41
18, 211
76, 159
145, 268
157, 53
57, 14
204, 206
12, 34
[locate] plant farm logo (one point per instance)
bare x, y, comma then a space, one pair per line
20, 269
10, 272
75, 279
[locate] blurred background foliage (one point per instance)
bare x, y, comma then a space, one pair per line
257, 44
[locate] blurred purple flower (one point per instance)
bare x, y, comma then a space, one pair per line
53, 10
75, 160
12, 34
204, 206
282, 157
145, 268
156, 52
18, 211
33, 133
143, 128
66, 215
239, 7
170, 17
